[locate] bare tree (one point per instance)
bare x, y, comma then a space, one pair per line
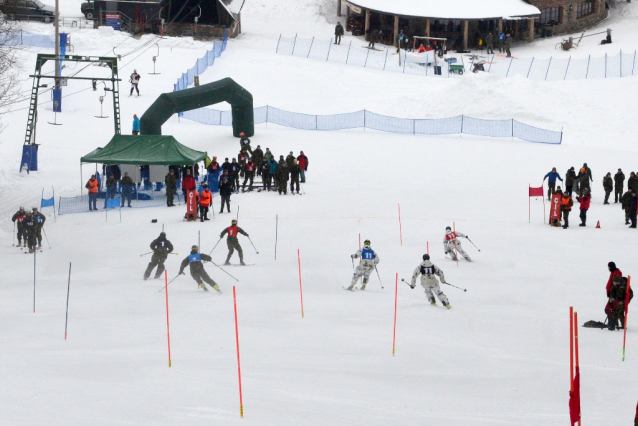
9, 63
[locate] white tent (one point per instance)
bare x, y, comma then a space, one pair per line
451, 9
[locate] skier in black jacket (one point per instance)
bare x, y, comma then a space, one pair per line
161, 248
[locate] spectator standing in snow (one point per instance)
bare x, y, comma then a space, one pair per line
570, 178
374, 35
566, 207
619, 181
127, 189
188, 183
608, 186
584, 201
615, 308
501, 42
171, 187
136, 125
400, 40
489, 43
93, 186
338, 33
303, 164
111, 189
626, 198
508, 45
551, 185
633, 207
135, 80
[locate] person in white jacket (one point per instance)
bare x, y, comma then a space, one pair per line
451, 244
429, 272
369, 260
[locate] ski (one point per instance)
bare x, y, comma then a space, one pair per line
239, 264
372, 48
348, 289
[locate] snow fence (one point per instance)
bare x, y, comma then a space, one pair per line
202, 64
460, 124
356, 53
23, 38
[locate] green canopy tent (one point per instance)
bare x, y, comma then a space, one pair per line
143, 150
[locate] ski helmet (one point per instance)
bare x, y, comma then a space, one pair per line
448, 230
234, 222
194, 248
21, 208
162, 234
426, 257
366, 243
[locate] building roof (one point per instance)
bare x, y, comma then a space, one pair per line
233, 7
451, 9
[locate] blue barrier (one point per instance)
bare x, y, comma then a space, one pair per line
607, 66
369, 120
202, 64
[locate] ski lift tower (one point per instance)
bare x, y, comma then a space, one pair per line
30, 149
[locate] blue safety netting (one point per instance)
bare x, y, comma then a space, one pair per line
386, 59
140, 198
202, 63
23, 38
369, 120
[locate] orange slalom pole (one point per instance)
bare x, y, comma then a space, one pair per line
571, 348
428, 246
168, 327
300, 288
624, 339
400, 228
455, 250
576, 345
396, 292
241, 398
359, 240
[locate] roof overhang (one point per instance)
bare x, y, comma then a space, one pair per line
448, 9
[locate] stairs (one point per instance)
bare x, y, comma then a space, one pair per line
116, 99
33, 111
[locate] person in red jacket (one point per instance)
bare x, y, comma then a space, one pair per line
250, 174
584, 201
188, 183
303, 165
615, 272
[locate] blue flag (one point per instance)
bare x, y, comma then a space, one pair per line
49, 202
113, 203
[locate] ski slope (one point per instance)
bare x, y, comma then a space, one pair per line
499, 356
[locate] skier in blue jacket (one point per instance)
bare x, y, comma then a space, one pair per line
551, 186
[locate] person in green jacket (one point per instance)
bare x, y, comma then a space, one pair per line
489, 42
570, 178
608, 185
626, 198
281, 177
508, 45
171, 186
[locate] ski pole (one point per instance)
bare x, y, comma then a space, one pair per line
227, 273
162, 289
473, 244
146, 253
220, 238
45, 236
13, 239
352, 258
251, 242
407, 283
302, 190
452, 285
375, 268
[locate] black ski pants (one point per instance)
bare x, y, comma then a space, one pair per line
201, 276
156, 260
583, 216
225, 200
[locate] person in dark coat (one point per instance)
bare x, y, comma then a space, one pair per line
161, 248
633, 206
625, 200
234, 175
225, 191
127, 189
171, 187
233, 242
339, 32
199, 274
111, 188
30, 226
608, 186
258, 156
265, 174
39, 219
619, 181
18, 219
615, 308
570, 178
295, 170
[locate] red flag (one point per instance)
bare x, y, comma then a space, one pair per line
574, 399
536, 192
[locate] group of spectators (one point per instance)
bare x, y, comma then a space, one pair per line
581, 184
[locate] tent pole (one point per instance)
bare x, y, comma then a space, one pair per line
81, 180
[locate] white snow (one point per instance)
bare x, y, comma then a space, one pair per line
451, 9
500, 356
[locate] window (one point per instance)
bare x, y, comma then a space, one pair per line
585, 8
550, 16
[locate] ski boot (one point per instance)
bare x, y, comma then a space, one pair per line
203, 286
25, 244
612, 324
447, 306
217, 289
350, 287
31, 250
363, 285
145, 278
227, 262
241, 262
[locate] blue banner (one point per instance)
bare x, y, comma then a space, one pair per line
57, 100
113, 20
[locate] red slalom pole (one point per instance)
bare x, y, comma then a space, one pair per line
428, 246
624, 339
400, 228
168, 327
359, 240
300, 288
571, 348
241, 398
396, 292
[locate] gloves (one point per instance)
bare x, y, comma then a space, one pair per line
443, 282
353, 256
467, 237
181, 273
412, 286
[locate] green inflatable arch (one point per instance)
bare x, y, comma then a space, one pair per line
226, 90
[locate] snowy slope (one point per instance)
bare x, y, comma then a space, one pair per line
500, 356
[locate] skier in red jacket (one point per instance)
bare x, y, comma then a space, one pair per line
584, 201
188, 183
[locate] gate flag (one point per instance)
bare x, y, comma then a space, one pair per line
535, 192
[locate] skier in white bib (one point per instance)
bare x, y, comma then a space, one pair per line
428, 270
369, 260
451, 244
